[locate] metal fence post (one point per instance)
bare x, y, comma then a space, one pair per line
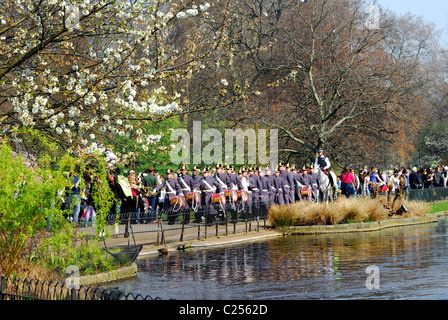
205, 225
72, 294
3, 287
183, 226
227, 224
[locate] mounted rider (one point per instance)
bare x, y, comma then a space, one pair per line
322, 162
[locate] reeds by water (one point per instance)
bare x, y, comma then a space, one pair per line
354, 210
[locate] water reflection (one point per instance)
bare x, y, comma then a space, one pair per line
412, 262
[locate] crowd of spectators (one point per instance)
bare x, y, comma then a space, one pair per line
361, 184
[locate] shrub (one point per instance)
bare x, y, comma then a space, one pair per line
33, 229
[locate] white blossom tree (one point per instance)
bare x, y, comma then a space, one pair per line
84, 71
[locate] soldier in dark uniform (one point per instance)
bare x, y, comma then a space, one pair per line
293, 185
255, 187
289, 184
247, 211
208, 186
187, 184
234, 180
280, 189
264, 194
173, 189
297, 183
223, 179
235, 184
306, 181
196, 174
272, 191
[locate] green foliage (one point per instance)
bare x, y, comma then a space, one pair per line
66, 248
153, 152
33, 228
27, 203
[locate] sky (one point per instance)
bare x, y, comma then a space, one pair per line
435, 11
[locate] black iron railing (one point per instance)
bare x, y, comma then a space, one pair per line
185, 223
26, 289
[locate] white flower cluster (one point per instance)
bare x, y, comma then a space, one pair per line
153, 139
161, 110
193, 11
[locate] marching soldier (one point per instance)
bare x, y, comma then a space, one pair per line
272, 191
208, 186
235, 185
234, 179
187, 184
255, 187
280, 189
306, 180
173, 189
224, 180
289, 184
222, 177
264, 194
297, 183
293, 185
245, 183
196, 174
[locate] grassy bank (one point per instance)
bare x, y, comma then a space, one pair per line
438, 207
344, 210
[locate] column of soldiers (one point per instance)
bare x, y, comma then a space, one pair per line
263, 187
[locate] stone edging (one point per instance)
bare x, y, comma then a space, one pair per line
359, 227
125, 272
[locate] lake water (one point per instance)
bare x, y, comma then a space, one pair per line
399, 263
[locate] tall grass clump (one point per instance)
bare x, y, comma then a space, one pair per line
320, 214
282, 216
353, 210
373, 209
416, 209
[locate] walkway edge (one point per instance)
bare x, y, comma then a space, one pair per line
114, 275
236, 241
211, 242
361, 227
